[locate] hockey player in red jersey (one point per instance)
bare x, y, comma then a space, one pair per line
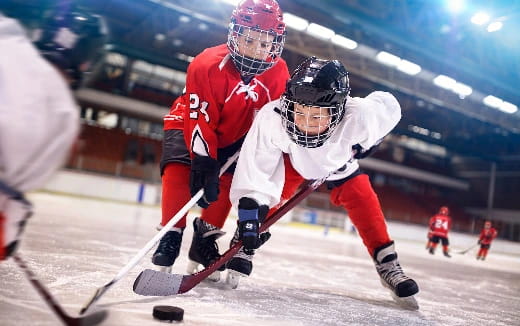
304, 135
39, 119
487, 235
225, 86
440, 225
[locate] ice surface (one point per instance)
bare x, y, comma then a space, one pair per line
300, 277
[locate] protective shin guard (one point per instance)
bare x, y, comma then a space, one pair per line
218, 211
175, 191
359, 199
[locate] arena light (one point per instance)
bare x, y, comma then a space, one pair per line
495, 26
388, 58
444, 82
319, 31
344, 42
480, 18
295, 22
462, 90
497, 103
492, 101
508, 107
231, 2
409, 67
455, 6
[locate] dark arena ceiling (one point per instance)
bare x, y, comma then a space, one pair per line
423, 32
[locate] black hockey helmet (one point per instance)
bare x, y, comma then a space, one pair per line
71, 37
317, 83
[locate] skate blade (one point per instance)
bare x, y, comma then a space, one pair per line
233, 278
165, 269
409, 303
194, 267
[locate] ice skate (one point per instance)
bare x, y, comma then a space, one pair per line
447, 254
393, 278
204, 248
168, 250
241, 265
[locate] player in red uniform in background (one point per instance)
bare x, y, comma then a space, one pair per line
440, 225
487, 235
225, 86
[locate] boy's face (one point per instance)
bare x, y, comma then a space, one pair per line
255, 44
311, 120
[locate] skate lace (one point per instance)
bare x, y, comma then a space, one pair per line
392, 272
170, 243
208, 249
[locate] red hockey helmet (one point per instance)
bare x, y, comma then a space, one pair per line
444, 210
256, 22
260, 14
487, 224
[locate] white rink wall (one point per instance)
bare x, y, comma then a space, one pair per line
105, 187
121, 189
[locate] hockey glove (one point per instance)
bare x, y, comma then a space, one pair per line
204, 175
361, 153
250, 215
479, 242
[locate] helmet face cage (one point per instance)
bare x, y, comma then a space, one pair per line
315, 84
444, 210
256, 36
298, 129
71, 40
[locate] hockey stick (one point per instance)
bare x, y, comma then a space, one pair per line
85, 320
134, 261
155, 283
462, 252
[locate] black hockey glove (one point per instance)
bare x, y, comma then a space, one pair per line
361, 153
250, 215
204, 175
479, 242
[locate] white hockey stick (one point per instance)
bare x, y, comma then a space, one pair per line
134, 261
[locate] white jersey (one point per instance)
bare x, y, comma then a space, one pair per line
260, 170
39, 119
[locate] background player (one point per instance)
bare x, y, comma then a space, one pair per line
440, 225
39, 119
225, 86
487, 235
304, 135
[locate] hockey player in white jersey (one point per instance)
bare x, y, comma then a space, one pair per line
316, 130
39, 119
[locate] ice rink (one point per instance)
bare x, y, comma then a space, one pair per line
302, 276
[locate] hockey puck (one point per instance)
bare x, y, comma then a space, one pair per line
170, 313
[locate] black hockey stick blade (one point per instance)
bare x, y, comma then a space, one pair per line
99, 292
468, 249
68, 320
155, 283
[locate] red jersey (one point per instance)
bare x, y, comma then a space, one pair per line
218, 107
440, 225
487, 235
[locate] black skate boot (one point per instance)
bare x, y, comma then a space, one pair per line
204, 248
168, 250
446, 253
241, 265
392, 276
432, 251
